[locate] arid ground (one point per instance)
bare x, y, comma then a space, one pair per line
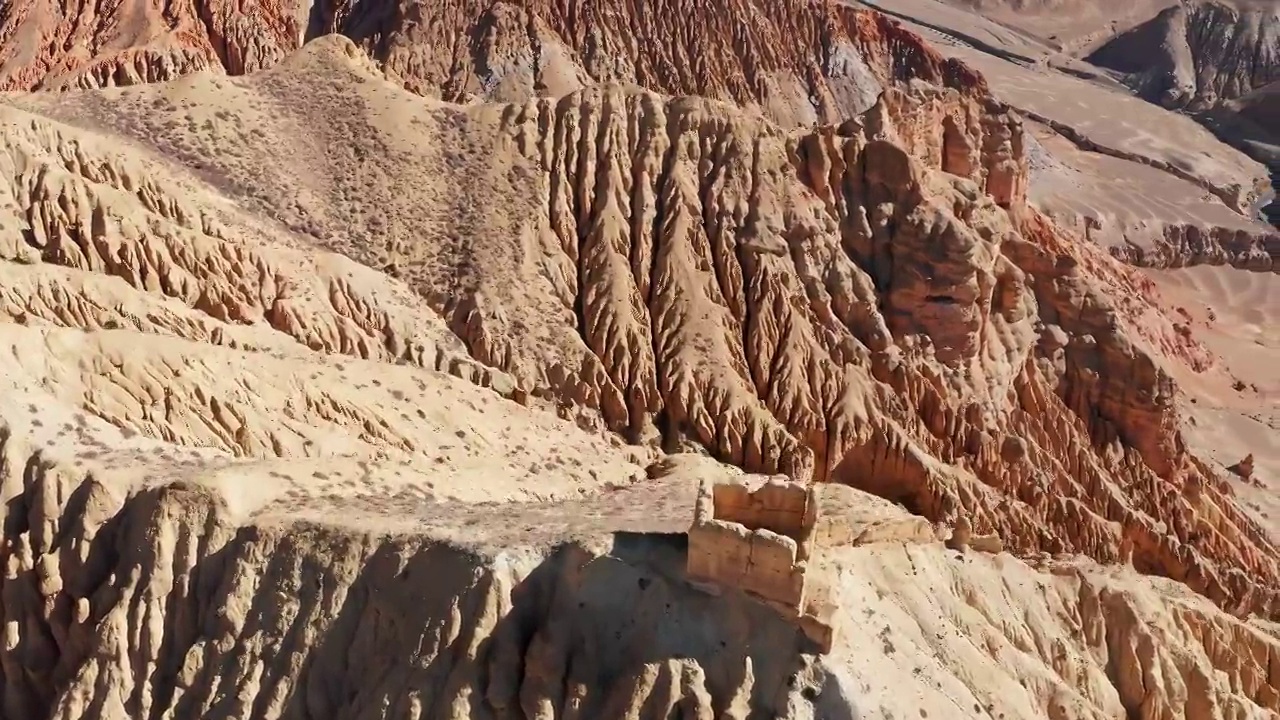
365, 360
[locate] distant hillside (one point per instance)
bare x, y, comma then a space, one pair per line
1196, 54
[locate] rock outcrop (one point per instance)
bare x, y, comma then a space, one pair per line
774, 541
764, 541
872, 302
155, 599
1194, 54
51, 45
757, 539
1244, 468
122, 603
801, 62
1190, 245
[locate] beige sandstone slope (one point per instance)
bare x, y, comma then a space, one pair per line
800, 62
243, 483
1237, 413
817, 303
1130, 177
170, 603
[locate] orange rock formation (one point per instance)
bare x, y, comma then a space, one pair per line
869, 300
53, 45
762, 541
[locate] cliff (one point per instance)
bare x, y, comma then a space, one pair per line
51, 45
123, 599
1195, 54
823, 303
316, 390
801, 63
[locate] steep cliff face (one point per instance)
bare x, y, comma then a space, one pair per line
801, 62
53, 45
1196, 54
123, 598
871, 303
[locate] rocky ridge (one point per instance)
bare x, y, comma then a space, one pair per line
1192, 55
884, 321
869, 301
164, 602
504, 51
52, 45
801, 63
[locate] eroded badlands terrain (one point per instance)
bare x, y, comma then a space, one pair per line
375, 378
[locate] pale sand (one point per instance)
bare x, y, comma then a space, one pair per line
1236, 314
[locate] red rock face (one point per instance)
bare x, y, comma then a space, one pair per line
803, 62
50, 45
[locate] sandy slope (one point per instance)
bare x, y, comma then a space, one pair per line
1138, 210
1073, 25
1238, 404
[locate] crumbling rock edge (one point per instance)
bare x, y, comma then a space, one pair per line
151, 602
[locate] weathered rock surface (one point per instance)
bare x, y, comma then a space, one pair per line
1244, 468
271, 336
126, 600
800, 62
53, 45
827, 303
1195, 54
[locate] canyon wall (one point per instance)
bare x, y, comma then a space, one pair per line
51, 45
872, 302
841, 281
1194, 54
159, 601
801, 62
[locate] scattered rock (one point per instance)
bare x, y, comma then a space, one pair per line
1244, 468
1013, 449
